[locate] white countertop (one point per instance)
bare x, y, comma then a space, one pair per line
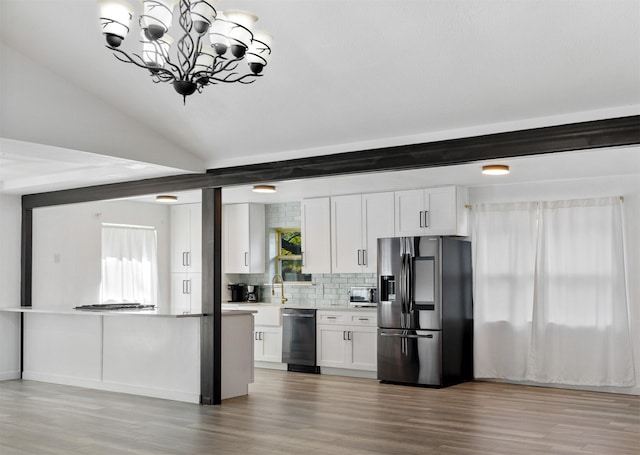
154, 313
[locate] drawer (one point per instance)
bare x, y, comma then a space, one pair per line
332, 318
368, 320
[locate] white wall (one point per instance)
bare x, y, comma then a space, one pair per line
627, 186
67, 250
10, 220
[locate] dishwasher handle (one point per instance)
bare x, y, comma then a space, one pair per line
291, 315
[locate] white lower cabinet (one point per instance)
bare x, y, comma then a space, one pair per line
267, 333
267, 344
347, 339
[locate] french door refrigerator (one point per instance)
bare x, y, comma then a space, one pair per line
425, 314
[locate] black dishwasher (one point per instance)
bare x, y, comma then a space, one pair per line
299, 340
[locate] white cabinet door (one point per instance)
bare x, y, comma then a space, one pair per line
186, 238
377, 222
440, 207
409, 210
186, 292
243, 238
236, 238
346, 234
268, 344
331, 346
316, 235
363, 352
180, 232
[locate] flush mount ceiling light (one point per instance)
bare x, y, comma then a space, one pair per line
209, 45
264, 189
495, 169
166, 198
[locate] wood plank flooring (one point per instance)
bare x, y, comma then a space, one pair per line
295, 413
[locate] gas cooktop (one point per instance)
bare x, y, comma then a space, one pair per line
115, 307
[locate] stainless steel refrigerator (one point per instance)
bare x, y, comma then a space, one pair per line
425, 313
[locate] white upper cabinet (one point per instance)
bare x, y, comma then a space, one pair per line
432, 211
316, 235
186, 238
243, 238
357, 221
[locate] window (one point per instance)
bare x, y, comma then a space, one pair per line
289, 255
129, 264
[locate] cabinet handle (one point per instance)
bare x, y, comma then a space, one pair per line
184, 286
427, 218
189, 258
421, 223
363, 319
364, 257
359, 257
344, 335
246, 254
188, 286
260, 336
184, 262
302, 257
331, 317
349, 335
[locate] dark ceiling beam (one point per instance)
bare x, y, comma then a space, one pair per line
537, 141
613, 132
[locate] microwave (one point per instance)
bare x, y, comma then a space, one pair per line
363, 297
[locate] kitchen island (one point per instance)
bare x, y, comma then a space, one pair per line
148, 352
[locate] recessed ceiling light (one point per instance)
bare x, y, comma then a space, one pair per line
264, 188
166, 198
495, 169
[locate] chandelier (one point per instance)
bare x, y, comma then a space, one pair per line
212, 47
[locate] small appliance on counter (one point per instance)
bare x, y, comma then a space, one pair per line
252, 293
238, 292
362, 297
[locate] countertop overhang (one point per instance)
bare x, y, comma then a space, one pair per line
150, 313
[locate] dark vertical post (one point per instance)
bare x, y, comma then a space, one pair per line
211, 326
26, 258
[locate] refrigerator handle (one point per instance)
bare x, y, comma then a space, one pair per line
400, 335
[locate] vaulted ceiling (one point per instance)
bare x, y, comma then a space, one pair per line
344, 75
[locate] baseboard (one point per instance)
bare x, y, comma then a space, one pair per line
175, 395
351, 373
635, 390
271, 365
9, 375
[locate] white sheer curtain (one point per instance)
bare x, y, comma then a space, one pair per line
549, 293
504, 265
580, 321
129, 264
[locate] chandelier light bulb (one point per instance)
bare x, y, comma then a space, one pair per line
157, 16
115, 18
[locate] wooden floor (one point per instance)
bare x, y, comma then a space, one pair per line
295, 413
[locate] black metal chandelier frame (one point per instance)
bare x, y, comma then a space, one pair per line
185, 78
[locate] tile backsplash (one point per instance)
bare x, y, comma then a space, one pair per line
327, 289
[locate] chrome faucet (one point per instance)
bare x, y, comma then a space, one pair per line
273, 291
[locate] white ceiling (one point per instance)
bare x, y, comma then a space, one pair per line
345, 75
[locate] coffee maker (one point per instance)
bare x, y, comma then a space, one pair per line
237, 292
252, 293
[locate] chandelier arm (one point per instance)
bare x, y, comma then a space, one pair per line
242, 79
226, 65
185, 45
126, 58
